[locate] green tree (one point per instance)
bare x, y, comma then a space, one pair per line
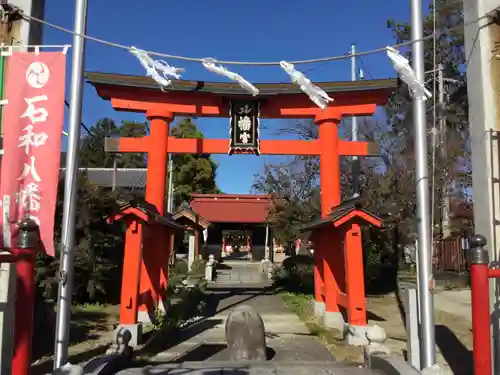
92, 152
295, 195
388, 182
192, 173
449, 150
98, 246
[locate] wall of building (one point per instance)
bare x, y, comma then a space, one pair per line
483, 85
25, 32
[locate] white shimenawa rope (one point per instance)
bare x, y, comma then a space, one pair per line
210, 64
407, 74
159, 70
317, 95
256, 63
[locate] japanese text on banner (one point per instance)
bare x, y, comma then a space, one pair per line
33, 122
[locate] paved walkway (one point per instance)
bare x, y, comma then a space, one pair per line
288, 339
239, 271
270, 368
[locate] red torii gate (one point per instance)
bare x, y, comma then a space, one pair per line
208, 99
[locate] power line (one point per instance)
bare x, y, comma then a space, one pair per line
82, 124
365, 68
256, 63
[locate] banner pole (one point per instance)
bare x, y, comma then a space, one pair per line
70, 189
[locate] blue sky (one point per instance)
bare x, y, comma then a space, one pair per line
257, 30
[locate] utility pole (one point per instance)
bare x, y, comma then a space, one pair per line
442, 111
445, 202
428, 341
65, 292
113, 184
355, 159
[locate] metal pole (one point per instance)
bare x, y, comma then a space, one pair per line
170, 198
266, 248
441, 111
355, 159
113, 187
422, 181
70, 189
445, 201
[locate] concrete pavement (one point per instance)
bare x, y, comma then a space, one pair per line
288, 339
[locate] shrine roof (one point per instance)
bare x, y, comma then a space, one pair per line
123, 177
229, 88
148, 210
232, 208
343, 211
188, 214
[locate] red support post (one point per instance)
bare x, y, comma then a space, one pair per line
325, 279
155, 257
25, 305
131, 273
24, 255
353, 258
479, 277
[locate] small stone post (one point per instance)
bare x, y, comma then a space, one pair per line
191, 252
209, 268
246, 335
412, 327
376, 337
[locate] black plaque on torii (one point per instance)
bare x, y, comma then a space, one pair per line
244, 127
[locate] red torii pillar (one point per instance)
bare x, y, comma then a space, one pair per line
326, 275
157, 242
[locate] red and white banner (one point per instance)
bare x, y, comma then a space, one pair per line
33, 120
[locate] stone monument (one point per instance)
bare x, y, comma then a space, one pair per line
246, 335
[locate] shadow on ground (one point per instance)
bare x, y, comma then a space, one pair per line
85, 326
458, 357
162, 341
46, 366
215, 303
203, 352
188, 371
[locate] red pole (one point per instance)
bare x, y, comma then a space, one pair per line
481, 318
25, 304
479, 277
27, 246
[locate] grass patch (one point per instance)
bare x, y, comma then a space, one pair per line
302, 306
91, 307
186, 304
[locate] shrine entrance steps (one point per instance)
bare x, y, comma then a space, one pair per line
240, 272
288, 339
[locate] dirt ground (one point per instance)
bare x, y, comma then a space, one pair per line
92, 326
453, 332
90, 334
